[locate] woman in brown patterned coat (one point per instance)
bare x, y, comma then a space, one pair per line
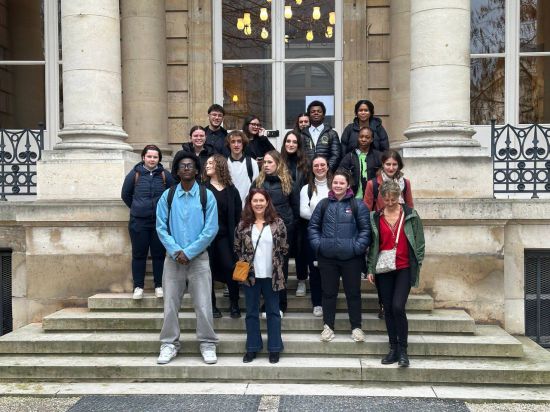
261, 240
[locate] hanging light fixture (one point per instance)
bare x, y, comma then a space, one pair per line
235, 98
264, 34
316, 13
247, 30
298, 2
329, 32
309, 35
332, 18
288, 12
286, 38
240, 23
246, 19
263, 14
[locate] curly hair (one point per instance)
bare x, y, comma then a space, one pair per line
248, 217
302, 162
222, 171
282, 173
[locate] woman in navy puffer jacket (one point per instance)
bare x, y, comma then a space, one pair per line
339, 232
141, 191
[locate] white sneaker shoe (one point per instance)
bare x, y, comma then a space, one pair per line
263, 315
327, 334
159, 292
301, 288
318, 311
138, 294
167, 353
208, 353
358, 335
282, 314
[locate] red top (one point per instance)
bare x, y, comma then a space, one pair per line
387, 242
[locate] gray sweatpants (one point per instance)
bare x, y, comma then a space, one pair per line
196, 275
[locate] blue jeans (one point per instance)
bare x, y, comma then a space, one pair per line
271, 299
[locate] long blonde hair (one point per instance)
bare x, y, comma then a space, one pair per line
282, 173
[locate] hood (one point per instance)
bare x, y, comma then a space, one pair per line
374, 122
349, 194
140, 168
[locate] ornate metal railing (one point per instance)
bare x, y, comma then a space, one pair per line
19, 152
521, 159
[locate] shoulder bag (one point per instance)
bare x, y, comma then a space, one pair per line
386, 258
242, 267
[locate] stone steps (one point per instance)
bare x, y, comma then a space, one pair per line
440, 321
124, 301
488, 341
531, 369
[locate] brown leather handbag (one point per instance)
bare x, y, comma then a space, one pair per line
242, 267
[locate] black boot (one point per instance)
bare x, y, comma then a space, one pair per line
380, 311
403, 357
392, 355
234, 310
216, 312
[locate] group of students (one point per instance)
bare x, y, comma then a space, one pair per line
232, 196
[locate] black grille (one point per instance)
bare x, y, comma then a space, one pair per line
537, 296
6, 322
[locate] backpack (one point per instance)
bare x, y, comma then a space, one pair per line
170, 198
375, 190
248, 161
354, 207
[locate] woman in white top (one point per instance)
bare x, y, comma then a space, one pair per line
261, 240
310, 195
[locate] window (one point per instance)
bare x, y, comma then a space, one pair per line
272, 58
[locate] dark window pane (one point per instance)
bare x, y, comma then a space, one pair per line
534, 89
487, 27
21, 30
243, 38
247, 90
22, 97
534, 26
486, 90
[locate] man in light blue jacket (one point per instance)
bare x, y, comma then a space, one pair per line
187, 222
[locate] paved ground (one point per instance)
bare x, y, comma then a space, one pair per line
253, 403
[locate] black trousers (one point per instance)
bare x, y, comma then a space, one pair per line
300, 247
222, 263
314, 275
283, 299
350, 271
394, 289
143, 235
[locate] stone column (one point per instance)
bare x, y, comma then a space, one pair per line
144, 73
400, 66
442, 158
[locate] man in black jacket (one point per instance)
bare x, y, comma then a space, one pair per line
215, 133
321, 138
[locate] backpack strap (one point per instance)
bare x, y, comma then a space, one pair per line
249, 170
354, 208
374, 191
309, 193
163, 178
169, 200
202, 193
404, 188
136, 178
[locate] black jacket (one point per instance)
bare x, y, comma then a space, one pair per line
258, 147
350, 162
328, 145
143, 196
287, 206
351, 133
216, 140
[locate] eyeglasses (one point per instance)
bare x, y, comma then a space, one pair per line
186, 166
255, 124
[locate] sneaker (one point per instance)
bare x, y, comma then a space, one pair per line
327, 334
159, 293
282, 314
301, 289
138, 294
208, 353
357, 335
318, 311
167, 353
216, 313
225, 292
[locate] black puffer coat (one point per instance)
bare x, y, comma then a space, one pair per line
351, 133
287, 206
328, 145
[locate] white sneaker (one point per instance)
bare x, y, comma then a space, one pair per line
301, 289
318, 311
327, 334
167, 353
208, 353
159, 293
282, 314
138, 294
358, 335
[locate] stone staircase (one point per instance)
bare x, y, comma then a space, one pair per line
116, 339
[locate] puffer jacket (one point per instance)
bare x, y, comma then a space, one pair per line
351, 133
287, 206
339, 235
414, 232
328, 145
143, 196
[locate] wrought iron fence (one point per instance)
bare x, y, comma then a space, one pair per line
521, 160
19, 152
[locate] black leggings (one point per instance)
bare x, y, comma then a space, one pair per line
394, 288
222, 263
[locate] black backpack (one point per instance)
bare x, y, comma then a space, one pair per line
170, 198
248, 161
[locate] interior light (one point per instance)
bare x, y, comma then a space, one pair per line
288, 12
329, 32
316, 13
246, 19
235, 98
298, 2
247, 30
309, 35
263, 14
240, 23
332, 18
264, 34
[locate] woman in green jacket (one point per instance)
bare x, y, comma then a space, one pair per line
396, 227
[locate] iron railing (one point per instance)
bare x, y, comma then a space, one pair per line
521, 160
19, 152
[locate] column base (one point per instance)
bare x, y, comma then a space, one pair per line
93, 138
83, 174
440, 135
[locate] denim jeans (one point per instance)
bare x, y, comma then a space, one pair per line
253, 335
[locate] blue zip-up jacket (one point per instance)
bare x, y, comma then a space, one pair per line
143, 196
189, 230
339, 236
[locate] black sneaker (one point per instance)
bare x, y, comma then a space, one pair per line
235, 311
273, 357
249, 357
216, 312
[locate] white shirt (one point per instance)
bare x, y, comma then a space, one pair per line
306, 206
263, 259
315, 132
239, 175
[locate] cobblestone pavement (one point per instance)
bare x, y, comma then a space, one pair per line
253, 403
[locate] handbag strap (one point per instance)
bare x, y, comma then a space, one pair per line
258, 241
399, 228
